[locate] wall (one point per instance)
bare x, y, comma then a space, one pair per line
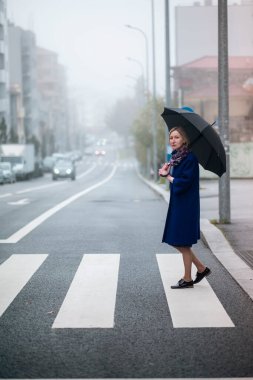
241, 162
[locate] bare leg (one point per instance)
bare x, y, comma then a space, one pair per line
189, 258
198, 264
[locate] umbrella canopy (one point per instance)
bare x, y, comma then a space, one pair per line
204, 141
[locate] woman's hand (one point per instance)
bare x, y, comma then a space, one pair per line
170, 178
164, 170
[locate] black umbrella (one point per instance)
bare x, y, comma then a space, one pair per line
204, 141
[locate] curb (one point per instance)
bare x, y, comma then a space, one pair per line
219, 246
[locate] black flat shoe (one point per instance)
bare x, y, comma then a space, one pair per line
200, 276
182, 284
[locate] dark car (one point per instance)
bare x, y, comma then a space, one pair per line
64, 168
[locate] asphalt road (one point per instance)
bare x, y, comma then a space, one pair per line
121, 216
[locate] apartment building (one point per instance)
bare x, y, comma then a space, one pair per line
52, 88
23, 83
4, 80
196, 30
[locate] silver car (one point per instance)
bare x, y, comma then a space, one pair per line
8, 173
64, 169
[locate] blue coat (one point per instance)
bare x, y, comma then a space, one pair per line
182, 227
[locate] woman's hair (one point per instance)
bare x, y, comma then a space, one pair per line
182, 133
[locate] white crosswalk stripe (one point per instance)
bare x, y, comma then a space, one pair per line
194, 307
91, 298
90, 301
14, 274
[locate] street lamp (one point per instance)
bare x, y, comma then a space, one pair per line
142, 70
147, 55
154, 112
138, 90
138, 63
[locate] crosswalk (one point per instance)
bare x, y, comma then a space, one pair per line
90, 301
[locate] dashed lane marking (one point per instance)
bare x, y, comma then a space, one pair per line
17, 236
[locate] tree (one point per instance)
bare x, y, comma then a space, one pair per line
122, 115
33, 140
3, 131
142, 131
13, 138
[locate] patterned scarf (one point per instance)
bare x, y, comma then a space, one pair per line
178, 155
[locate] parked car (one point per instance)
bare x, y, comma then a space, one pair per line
64, 168
1, 177
8, 173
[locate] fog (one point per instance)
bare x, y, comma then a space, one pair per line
93, 43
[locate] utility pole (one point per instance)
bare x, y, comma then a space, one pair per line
154, 131
224, 181
167, 69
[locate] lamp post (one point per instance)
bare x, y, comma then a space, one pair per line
147, 55
167, 68
142, 76
139, 90
154, 131
224, 181
138, 63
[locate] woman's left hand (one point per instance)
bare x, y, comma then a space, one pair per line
170, 178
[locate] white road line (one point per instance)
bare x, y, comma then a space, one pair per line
21, 202
90, 301
14, 274
194, 307
53, 184
6, 195
17, 236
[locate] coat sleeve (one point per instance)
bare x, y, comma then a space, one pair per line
187, 176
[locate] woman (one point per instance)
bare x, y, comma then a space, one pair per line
182, 227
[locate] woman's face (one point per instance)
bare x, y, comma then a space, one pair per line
176, 140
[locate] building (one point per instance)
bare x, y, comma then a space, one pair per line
4, 79
23, 83
197, 30
17, 114
30, 90
196, 84
52, 87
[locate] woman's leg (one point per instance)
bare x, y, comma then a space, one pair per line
198, 264
189, 258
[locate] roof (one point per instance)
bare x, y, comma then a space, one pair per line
212, 92
211, 62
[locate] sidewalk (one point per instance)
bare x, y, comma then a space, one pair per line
240, 232
232, 244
